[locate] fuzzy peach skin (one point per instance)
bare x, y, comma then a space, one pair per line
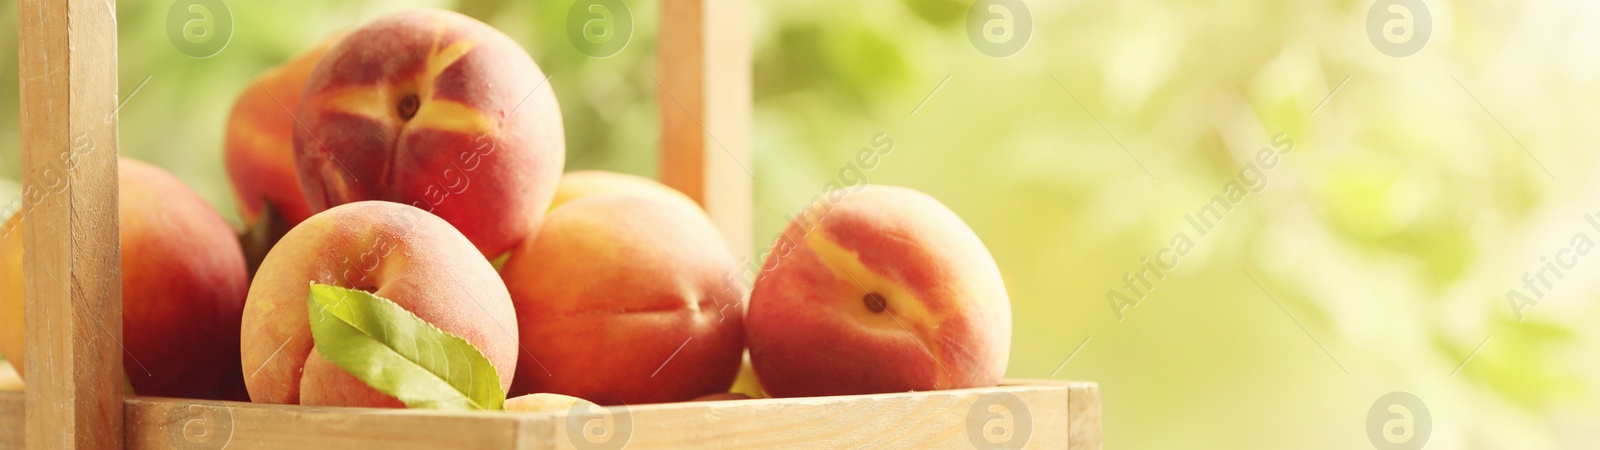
11, 324
880, 290
589, 183
585, 183
258, 149
625, 299
183, 288
397, 252
436, 110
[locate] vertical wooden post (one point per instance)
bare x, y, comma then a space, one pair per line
704, 51
71, 267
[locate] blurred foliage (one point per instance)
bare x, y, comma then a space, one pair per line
1384, 243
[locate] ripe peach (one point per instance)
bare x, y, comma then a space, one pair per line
584, 183
882, 289
395, 251
11, 324
535, 403
436, 110
183, 288
625, 299
10, 378
259, 146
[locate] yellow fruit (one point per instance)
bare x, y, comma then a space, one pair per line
541, 403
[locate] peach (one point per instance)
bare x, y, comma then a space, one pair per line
584, 183
535, 403
258, 149
183, 288
10, 379
436, 110
11, 323
397, 252
625, 299
877, 289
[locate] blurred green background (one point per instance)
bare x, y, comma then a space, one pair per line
1376, 258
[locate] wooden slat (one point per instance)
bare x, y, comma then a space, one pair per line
704, 94
937, 419
12, 421
1083, 406
68, 58
163, 423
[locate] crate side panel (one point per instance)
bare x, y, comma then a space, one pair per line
161, 423
1084, 403
938, 419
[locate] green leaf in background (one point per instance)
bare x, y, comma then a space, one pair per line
399, 354
939, 12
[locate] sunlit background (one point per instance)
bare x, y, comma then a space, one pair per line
1376, 256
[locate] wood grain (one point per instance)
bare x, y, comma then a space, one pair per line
72, 287
162, 423
704, 93
12, 419
1083, 406
937, 419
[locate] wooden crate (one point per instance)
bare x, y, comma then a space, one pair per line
73, 288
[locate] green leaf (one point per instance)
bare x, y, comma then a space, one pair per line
399, 354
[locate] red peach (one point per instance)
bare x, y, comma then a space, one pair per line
586, 183
436, 110
395, 251
625, 299
259, 146
879, 290
183, 288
